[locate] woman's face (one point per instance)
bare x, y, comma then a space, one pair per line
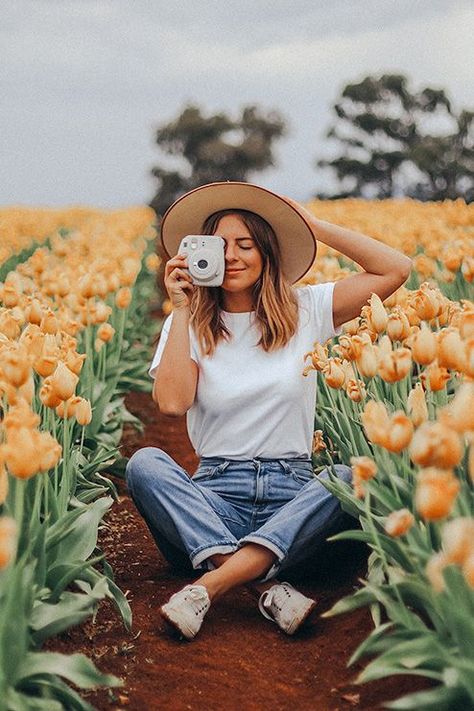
243, 261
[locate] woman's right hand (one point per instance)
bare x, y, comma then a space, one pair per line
178, 281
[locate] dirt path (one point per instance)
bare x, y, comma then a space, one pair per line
239, 659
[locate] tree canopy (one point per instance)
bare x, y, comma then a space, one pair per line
213, 148
387, 148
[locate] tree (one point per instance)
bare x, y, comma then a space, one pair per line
213, 148
381, 125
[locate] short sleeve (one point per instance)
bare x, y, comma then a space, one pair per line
321, 300
162, 342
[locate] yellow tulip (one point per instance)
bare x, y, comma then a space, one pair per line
436, 445
458, 539
8, 540
436, 491
399, 522
63, 381
417, 407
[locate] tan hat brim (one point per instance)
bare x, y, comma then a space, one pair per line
187, 214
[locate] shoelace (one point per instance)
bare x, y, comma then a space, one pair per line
197, 595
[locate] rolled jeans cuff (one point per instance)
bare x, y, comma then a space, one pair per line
271, 545
200, 558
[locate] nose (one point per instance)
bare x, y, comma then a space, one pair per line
229, 252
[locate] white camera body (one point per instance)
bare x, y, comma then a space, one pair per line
206, 263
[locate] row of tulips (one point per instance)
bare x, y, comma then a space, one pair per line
396, 399
73, 341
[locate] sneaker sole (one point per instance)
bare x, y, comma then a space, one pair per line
174, 625
304, 619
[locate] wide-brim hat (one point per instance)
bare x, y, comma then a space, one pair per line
187, 214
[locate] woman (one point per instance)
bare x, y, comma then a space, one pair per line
232, 357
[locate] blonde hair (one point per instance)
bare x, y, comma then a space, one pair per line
274, 299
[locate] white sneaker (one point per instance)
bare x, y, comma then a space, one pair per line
185, 610
285, 606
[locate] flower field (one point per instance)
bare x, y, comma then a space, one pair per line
396, 399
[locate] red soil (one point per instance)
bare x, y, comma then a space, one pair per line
239, 660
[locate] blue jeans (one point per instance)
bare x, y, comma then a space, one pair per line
277, 503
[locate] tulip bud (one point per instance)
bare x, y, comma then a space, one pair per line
49, 323
363, 468
424, 346
367, 363
105, 332
434, 377
63, 381
334, 373
398, 326
417, 407
378, 314
436, 490
399, 432
8, 540
152, 262
74, 361
375, 421
9, 326
450, 349
21, 453
34, 312
130, 268
399, 522
395, 366
15, 364
83, 412
47, 395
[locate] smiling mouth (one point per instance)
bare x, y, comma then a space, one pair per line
233, 271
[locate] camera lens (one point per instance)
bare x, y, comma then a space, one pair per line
202, 263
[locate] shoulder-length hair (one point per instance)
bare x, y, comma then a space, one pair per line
274, 299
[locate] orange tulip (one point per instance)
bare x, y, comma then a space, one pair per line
63, 381
450, 349
434, 570
105, 332
355, 390
83, 412
399, 433
467, 268
367, 362
395, 366
434, 377
423, 345
334, 373
123, 297
363, 468
349, 347
458, 539
398, 326
459, 414
20, 415
49, 323
417, 406
34, 312
375, 421
9, 326
436, 445
436, 491
399, 522
49, 451
47, 395
426, 302
377, 315
318, 442
15, 364
21, 453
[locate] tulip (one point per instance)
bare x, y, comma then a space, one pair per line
318, 442
21, 452
130, 268
459, 414
99, 312
450, 349
399, 433
458, 539
67, 408
9, 326
378, 314
435, 493
74, 361
367, 362
334, 373
434, 377
113, 282
49, 451
20, 415
452, 259
27, 390
49, 323
105, 332
152, 262
426, 302
468, 570
412, 316
434, 571
83, 412
424, 346
123, 298
417, 406
16, 365
3, 482
434, 444
398, 326
349, 347
86, 286
8, 540
47, 395
363, 468
63, 381
375, 421
467, 268
32, 339
466, 324
352, 327
355, 390
395, 366
399, 522
34, 312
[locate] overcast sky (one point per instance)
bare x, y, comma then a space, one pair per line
85, 83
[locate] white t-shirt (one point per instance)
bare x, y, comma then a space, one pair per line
250, 403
